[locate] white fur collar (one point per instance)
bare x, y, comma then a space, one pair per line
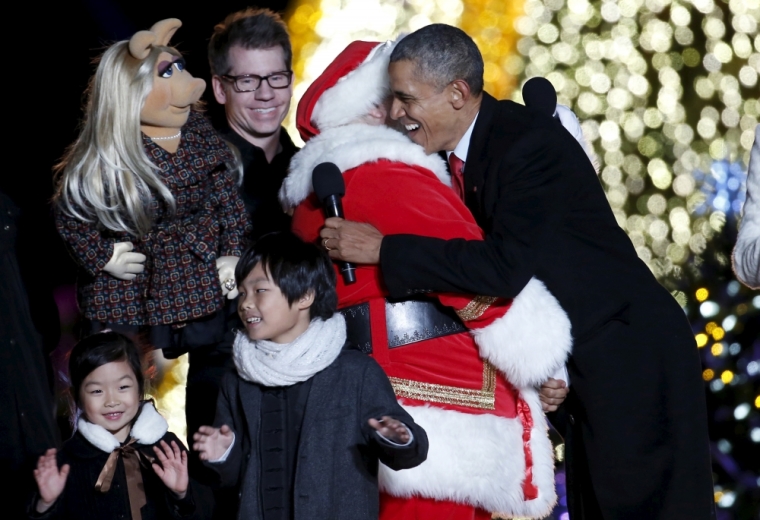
350, 146
148, 429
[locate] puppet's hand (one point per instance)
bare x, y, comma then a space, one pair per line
225, 266
50, 481
173, 468
392, 429
125, 265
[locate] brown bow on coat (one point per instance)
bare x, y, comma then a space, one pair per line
135, 487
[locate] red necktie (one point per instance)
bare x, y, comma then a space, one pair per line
456, 165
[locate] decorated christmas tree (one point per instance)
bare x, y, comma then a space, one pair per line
668, 95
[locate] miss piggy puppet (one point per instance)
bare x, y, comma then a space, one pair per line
148, 201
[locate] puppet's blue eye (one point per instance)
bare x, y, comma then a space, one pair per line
165, 69
180, 64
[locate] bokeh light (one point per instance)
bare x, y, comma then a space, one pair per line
666, 87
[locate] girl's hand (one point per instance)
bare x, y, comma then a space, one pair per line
391, 429
50, 481
212, 443
173, 468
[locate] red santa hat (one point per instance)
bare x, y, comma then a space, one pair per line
352, 85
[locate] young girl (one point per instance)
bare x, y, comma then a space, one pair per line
121, 462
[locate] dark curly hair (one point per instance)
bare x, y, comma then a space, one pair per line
250, 29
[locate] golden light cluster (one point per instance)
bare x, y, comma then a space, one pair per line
169, 393
663, 88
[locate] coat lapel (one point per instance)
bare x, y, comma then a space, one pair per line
499, 127
476, 164
321, 392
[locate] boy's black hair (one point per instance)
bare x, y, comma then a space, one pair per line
97, 350
296, 267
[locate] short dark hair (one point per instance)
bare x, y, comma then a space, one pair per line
251, 29
98, 349
442, 54
296, 267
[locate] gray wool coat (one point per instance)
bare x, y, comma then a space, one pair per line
338, 452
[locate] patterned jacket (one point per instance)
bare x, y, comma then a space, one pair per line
180, 281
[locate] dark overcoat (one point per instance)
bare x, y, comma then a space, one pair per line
81, 501
338, 452
637, 398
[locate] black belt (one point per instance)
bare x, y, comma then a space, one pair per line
407, 321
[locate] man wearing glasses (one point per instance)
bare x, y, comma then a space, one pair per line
250, 59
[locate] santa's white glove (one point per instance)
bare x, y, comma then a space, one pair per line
571, 123
125, 265
225, 266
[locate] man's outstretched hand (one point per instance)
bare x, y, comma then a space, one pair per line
552, 393
351, 241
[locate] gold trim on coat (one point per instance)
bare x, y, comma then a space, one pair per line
476, 308
483, 399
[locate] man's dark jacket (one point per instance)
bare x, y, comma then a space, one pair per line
337, 455
637, 397
262, 181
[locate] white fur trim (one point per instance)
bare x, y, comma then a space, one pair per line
479, 460
149, 428
356, 93
570, 121
351, 146
531, 341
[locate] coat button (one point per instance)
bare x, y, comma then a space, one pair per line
572, 419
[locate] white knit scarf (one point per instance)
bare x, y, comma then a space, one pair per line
284, 364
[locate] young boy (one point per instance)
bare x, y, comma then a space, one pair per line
302, 424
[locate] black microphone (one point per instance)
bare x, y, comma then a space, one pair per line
539, 93
330, 188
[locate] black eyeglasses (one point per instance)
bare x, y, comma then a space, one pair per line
251, 82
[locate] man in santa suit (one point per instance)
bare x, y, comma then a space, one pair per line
473, 391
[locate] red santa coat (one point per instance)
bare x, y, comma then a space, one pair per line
472, 393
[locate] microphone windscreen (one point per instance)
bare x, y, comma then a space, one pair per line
327, 180
538, 93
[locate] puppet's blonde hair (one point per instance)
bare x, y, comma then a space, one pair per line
105, 175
